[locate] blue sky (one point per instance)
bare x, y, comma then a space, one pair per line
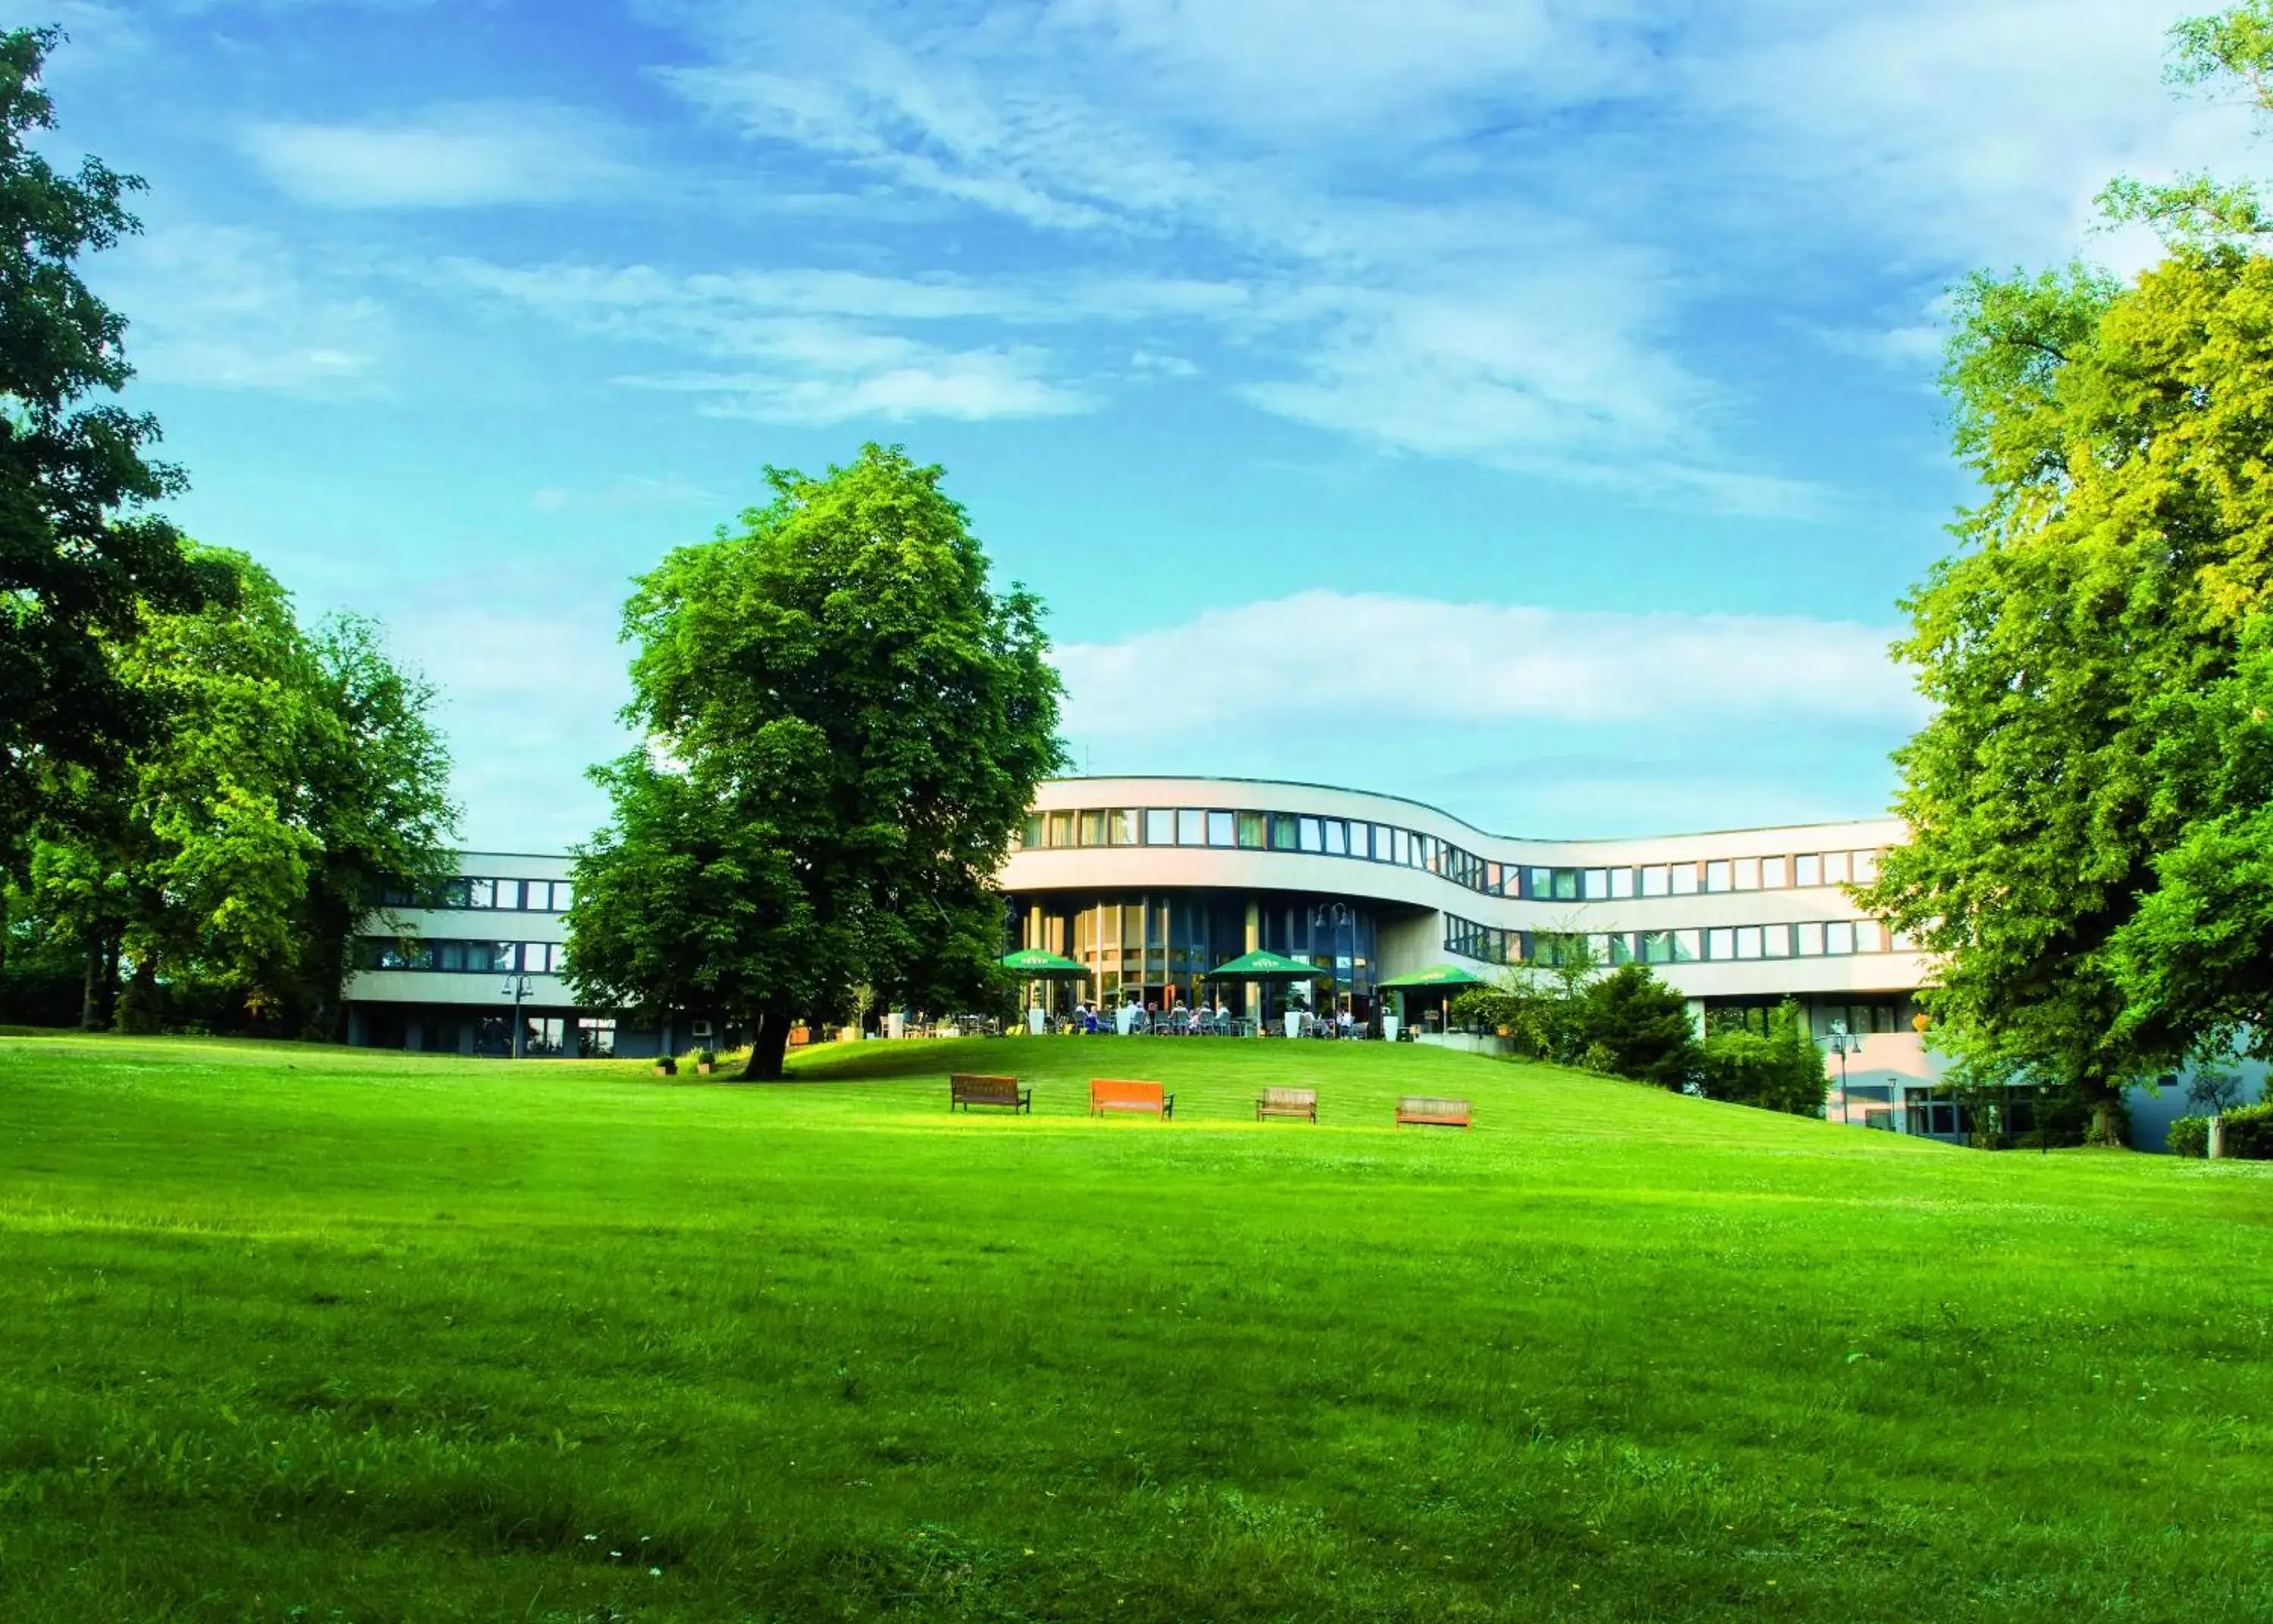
1535, 396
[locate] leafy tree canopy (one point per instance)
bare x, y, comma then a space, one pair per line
2089, 804
296, 774
78, 563
845, 726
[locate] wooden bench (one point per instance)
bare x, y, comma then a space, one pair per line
1421, 1111
1113, 1093
1287, 1103
969, 1089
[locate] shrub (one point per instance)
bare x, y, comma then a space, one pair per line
2249, 1132
1639, 1027
2189, 1136
1782, 1071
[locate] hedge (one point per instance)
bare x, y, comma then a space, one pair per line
2248, 1133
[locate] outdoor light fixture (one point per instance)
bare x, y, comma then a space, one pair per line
516, 988
1841, 1044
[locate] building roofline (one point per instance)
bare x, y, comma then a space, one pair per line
1377, 794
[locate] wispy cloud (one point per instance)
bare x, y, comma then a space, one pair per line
1414, 661
470, 155
226, 308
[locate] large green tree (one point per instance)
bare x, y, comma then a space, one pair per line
298, 775
2090, 801
844, 725
80, 558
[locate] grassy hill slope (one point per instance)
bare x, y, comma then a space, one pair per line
388, 1336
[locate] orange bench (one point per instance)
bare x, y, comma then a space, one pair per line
1422, 1112
969, 1089
1113, 1093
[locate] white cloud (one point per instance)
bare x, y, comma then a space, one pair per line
463, 156
923, 382
225, 308
1332, 661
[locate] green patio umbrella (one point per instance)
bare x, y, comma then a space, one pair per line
1035, 964
1262, 966
1439, 976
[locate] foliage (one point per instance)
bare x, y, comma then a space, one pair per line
2214, 1089
1541, 1005
414, 1326
80, 561
2225, 49
1781, 1070
1640, 1028
2248, 1133
294, 775
846, 727
2188, 1136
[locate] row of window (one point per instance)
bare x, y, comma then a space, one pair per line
1824, 938
463, 957
1381, 843
530, 896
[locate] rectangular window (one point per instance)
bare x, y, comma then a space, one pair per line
1867, 867
536, 958
1191, 826
1716, 875
1905, 942
1379, 849
1566, 885
1748, 874
1132, 924
1336, 838
480, 893
1092, 828
450, 956
1120, 827
1685, 879
1622, 883
1686, 945
1032, 840
1313, 836
1538, 882
564, 896
1807, 869
1834, 868
1775, 942
1061, 830
1596, 885
1839, 937
1774, 873
1284, 835
1870, 936
1159, 827
1220, 829
1720, 944
1622, 947
1748, 941
1657, 946
1401, 846
595, 1040
1251, 830
508, 893
1807, 940
1657, 881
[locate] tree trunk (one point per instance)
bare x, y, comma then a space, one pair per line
90, 991
768, 1044
2106, 1116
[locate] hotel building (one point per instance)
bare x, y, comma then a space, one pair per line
1152, 882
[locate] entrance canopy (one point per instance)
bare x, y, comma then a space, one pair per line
1439, 976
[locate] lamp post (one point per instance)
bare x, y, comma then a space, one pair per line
1841, 1044
517, 987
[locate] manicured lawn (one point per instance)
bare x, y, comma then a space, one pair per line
301, 1333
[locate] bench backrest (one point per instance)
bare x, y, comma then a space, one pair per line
1422, 1108
1115, 1091
980, 1086
1300, 1099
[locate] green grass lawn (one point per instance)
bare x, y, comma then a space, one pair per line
301, 1333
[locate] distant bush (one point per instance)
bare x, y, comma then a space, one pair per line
2248, 1133
1782, 1071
